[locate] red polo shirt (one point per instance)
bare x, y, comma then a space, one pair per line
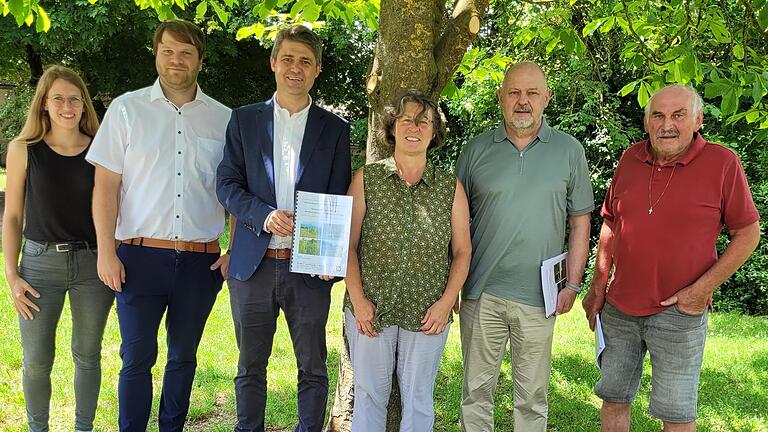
655, 255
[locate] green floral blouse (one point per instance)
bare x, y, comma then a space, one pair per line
404, 248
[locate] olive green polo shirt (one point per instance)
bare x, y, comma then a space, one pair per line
519, 204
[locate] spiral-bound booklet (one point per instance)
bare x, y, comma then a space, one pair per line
321, 227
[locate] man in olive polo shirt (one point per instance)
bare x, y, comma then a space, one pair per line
524, 180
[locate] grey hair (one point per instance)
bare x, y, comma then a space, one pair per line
697, 103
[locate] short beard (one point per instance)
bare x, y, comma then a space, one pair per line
522, 124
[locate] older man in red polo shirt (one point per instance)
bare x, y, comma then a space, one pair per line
668, 201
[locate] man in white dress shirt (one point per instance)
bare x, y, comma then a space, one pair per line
155, 155
274, 149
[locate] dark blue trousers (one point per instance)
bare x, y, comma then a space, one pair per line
159, 281
256, 304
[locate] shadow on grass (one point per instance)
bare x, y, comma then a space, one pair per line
734, 399
214, 409
571, 408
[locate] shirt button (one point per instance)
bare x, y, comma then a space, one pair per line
179, 152
177, 216
179, 132
178, 195
178, 173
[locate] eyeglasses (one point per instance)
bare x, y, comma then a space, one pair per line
59, 101
408, 122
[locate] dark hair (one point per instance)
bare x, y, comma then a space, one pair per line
183, 31
395, 110
299, 34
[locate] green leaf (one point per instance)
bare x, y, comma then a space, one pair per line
220, 12
643, 94
450, 90
609, 23
568, 41
730, 102
19, 9
738, 51
591, 27
243, 32
43, 21
296, 8
258, 30
165, 13
757, 89
752, 116
552, 44
311, 12
201, 10
734, 118
676, 73
715, 89
721, 33
627, 89
762, 18
688, 66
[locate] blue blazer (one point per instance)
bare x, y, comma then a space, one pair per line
245, 178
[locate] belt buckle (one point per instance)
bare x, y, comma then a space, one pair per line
176, 246
63, 247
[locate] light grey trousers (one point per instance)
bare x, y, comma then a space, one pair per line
54, 274
414, 356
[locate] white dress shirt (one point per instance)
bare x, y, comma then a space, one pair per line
167, 157
288, 135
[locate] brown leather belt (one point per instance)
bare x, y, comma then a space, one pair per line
179, 246
280, 254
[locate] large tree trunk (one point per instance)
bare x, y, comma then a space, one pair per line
35, 63
420, 45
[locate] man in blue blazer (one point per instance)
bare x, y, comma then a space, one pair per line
274, 149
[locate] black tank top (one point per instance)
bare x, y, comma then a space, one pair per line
58, 196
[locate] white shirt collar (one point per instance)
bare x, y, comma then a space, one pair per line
279, 108
157, 93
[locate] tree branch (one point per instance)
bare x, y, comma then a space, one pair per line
460, 30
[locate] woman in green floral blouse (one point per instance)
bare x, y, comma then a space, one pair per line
409, 256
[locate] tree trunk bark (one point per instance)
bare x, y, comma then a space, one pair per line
419, 46
35, 63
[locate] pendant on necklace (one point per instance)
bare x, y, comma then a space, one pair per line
650, 210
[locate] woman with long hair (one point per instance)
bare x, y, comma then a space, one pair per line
48, 198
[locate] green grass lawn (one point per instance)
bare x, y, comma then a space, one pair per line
2, 179
733, 394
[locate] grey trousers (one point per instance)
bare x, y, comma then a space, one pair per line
414, 356
54, 274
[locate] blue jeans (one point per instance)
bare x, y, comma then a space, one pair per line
675, 342
181, 286
54, 275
